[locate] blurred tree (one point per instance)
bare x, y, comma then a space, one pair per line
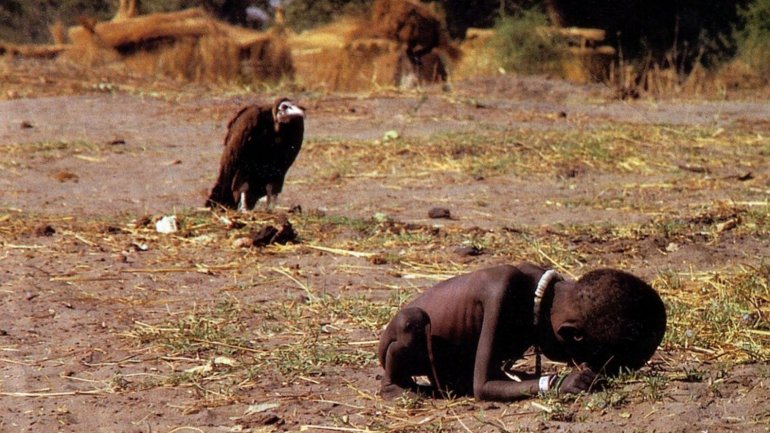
26, 21
680, 31
460, 15
233, 11
304, 14
521, 48
753, 36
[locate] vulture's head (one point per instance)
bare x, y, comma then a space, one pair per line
286, 111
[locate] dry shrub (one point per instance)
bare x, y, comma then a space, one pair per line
268, 59
478, 55
407, 22
356, 65
89, 49
320, 55
209, 58
403, 42
185, 45
58, 32
588, 65
662, 80
124, 34
332, 36
366, 62
737, 75
421, 28
126, 9
32, 50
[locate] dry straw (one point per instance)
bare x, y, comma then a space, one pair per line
187, 44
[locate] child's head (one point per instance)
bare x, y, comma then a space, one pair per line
611, 320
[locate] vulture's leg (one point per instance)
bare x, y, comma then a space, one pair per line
242, 203
272, 197
241, 188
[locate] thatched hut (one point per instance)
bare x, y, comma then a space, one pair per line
188, 44
401, 43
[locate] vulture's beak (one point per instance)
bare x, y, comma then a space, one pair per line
288, 111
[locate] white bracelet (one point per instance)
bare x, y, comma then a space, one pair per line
544, 384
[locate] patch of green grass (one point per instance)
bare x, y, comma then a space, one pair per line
290, 338
216, 330
719, 315
535, 153
322, 322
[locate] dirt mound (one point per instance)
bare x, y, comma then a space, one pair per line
187, 44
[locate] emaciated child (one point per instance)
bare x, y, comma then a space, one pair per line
461, 331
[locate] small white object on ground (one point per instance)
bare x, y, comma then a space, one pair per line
166, 225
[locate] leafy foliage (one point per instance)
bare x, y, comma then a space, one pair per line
676, 33
524, 47
754, 38
28, 20
304, 14
460, 15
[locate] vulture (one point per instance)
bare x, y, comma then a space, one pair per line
261, 144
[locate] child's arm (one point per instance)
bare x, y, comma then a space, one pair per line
487, 388
579, 380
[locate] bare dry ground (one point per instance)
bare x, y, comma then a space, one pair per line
108, 325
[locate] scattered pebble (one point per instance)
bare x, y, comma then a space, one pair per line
378, 260
468, 251
113, 230
268, 418
66, 176
271, 235
45, 230
439, 212
260, 407
745, 176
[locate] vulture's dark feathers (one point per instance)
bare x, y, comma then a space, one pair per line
261, 144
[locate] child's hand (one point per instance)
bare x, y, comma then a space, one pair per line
581, 379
